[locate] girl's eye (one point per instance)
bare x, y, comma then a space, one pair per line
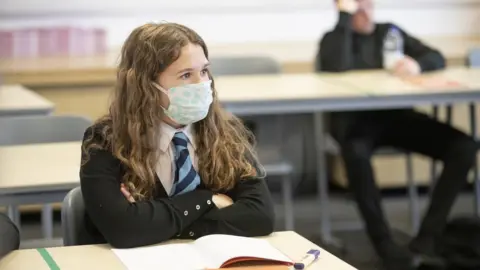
204, 71
185, 76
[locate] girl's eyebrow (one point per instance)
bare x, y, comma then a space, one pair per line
191, 69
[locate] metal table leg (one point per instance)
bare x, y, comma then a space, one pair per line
413, 196
476, 181
322, 183
47, 221
433, 165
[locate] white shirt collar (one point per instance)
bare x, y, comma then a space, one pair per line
167, 132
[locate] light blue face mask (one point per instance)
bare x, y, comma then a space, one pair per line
189, 103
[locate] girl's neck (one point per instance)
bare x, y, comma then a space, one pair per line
172, 123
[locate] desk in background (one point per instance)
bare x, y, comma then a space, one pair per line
38, 173
16, 100
101, 257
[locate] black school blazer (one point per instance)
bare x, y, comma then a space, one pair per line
111, 218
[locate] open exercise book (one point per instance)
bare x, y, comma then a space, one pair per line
208, 252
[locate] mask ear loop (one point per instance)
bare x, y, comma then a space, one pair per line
161, 90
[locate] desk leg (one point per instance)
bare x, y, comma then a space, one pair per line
433, 165
47, 221
322, 183
476, 181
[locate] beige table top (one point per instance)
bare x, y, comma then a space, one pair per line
17, 98
101, 257
279, 87
467, 76
39, 166
381, 83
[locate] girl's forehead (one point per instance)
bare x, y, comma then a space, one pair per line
191, 56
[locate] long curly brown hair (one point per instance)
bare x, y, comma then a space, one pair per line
224, 147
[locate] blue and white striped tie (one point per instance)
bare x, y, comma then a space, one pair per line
186, 178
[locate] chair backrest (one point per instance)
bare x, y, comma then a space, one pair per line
221, 66
41, 129
73, 218
473, 58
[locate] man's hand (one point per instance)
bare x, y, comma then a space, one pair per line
221, 201
349, 6
407, 67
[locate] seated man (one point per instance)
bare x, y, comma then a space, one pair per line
357, 42
9, 236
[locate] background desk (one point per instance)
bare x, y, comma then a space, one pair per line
38, 173
16, 100
101, 257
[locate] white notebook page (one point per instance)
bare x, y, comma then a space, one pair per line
173, 256
218, 249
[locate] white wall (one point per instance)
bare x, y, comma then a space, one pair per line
237, 21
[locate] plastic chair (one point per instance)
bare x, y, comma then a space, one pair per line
23, 130
73, 215
334, 148
42, 129
473, 61
223, 66
473, 58
243, 65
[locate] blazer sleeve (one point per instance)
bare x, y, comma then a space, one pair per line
125, 224
335, 52
428, 58
251, 214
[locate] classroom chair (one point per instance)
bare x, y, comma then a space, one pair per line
249, 65
334, 149
40, 129
274, 166
73, 214
473, 61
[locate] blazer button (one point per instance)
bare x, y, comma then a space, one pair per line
209, 202
197, 207
191, 234
185, 213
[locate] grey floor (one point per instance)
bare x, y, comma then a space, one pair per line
358, 249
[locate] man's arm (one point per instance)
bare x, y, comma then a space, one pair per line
335, 51
428, 58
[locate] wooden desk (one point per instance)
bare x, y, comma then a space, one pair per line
101, 257
279, 87
16, 100
38, 173
381, 83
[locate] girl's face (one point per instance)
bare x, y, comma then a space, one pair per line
189, 68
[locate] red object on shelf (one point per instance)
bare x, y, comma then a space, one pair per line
52, 41
6, 44
19, 43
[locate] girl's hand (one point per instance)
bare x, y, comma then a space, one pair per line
126, 193
222, 200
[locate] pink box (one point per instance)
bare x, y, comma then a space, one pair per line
52, 41
48, 42
70, 41
6, 44
25, 43
100, 41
